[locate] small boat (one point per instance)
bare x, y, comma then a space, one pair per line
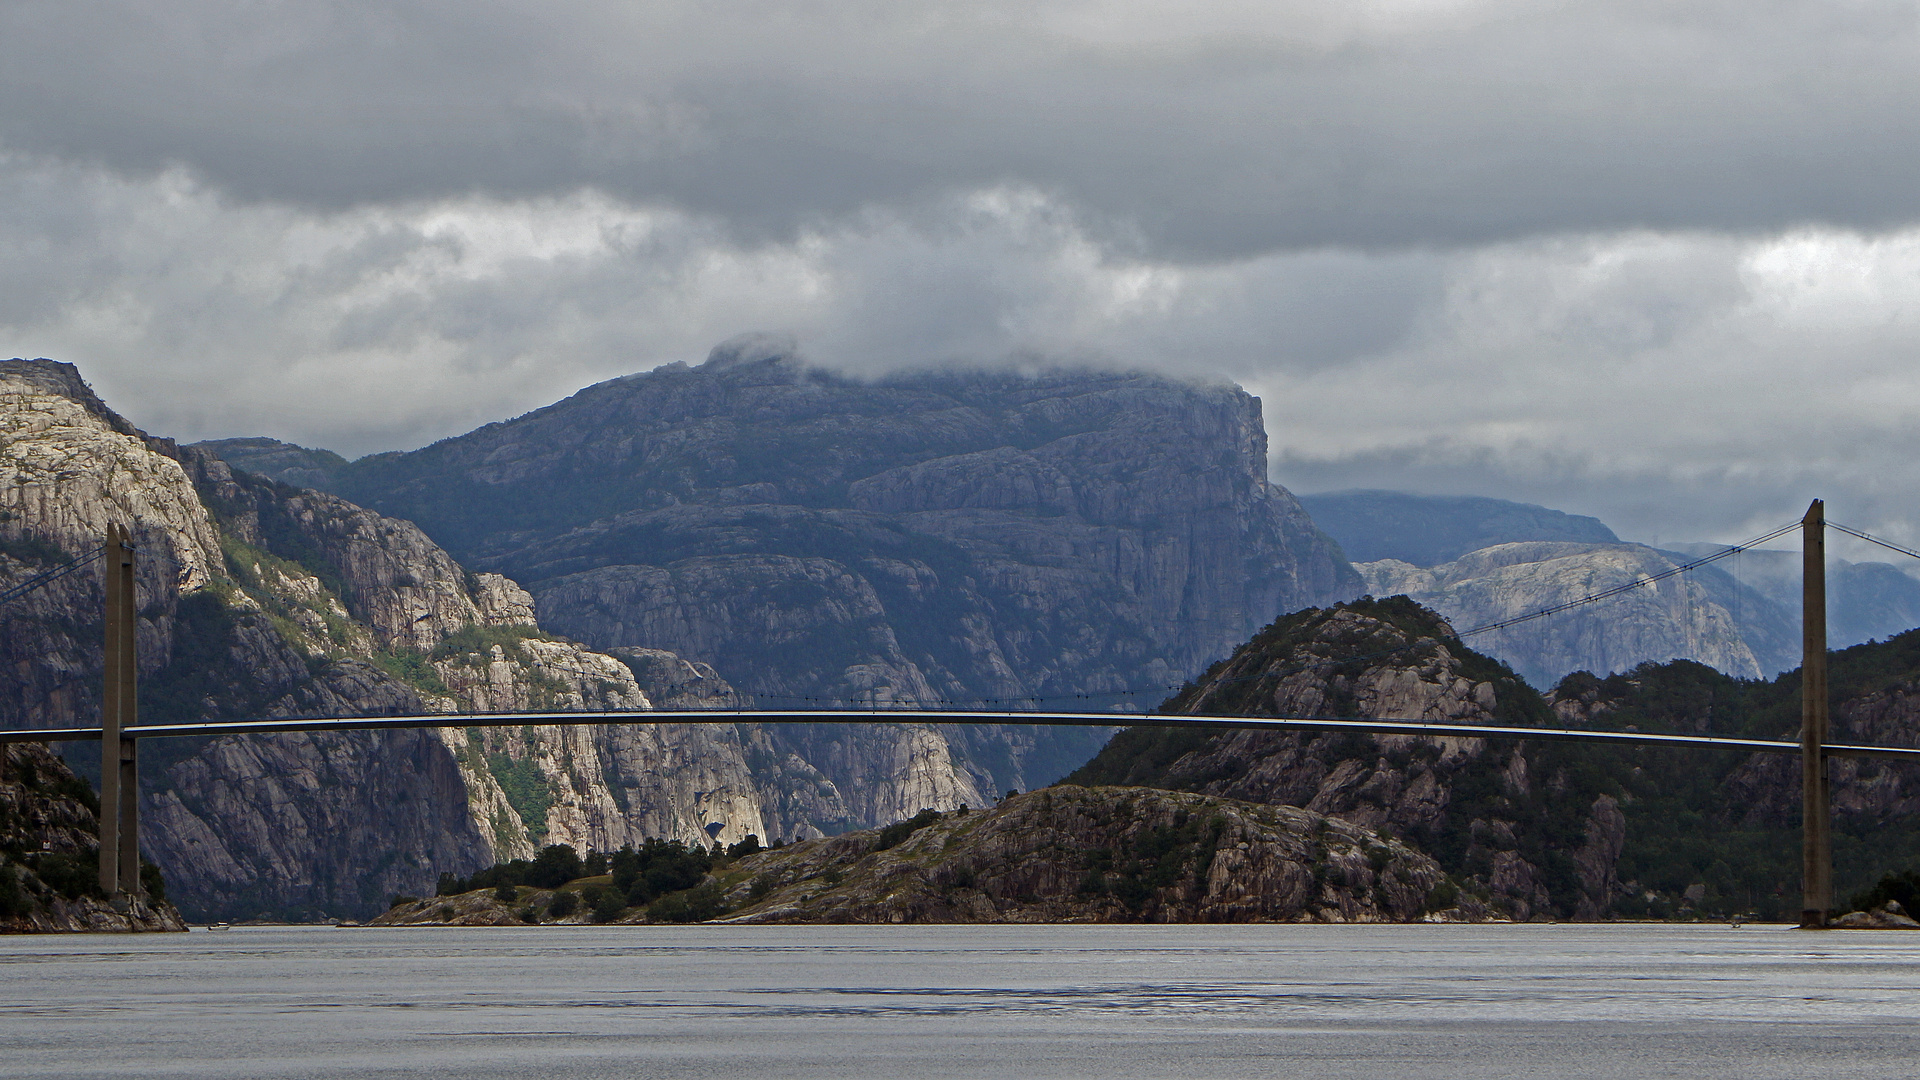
220, 926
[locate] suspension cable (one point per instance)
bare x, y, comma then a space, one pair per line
1888, 544
48, 577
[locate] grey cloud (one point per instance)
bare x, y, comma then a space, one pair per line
1681, 386
1292, 127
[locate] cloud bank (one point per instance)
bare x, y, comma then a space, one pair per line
1649, 262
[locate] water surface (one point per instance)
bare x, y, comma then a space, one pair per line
963, 1001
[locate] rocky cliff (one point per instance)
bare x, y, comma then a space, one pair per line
1064, 538
260, 599
50, 851
1866, 601
1704, 614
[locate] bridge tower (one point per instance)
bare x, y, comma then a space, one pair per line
119, 709
1816, 837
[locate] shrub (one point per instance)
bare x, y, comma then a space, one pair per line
608, 906
761, 886
14, 901
659, 867
749, 846
1444, 895
153, 883
562, 905
506, 894
893, 834
402, 899
693, 905
68, 875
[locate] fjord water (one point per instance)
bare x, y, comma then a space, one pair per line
961, 1001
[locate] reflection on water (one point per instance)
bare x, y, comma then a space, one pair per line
1035, 1001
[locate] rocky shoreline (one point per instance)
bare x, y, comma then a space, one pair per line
1062, 854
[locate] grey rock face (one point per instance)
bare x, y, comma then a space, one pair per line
1702, 615
257, 599
1065, 540
1865, 600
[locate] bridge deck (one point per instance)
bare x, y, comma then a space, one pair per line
272, 725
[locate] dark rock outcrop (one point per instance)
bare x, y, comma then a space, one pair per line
1064, 854
50, 851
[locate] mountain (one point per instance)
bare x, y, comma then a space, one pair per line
1866, 601
1703, 614
1427, 530
1478, 561
259, 598
256, 598
1548, 829
296, 466
1060, 539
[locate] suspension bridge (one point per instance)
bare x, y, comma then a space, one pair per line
120, 732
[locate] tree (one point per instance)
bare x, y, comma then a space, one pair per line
556, 865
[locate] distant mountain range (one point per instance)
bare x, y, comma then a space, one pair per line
1427, 530
1478, 561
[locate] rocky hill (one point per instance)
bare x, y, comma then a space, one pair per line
1498, 816
1065, 854
1560, 829
50, 852
1077, 539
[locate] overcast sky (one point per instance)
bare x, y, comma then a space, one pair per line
1654, 262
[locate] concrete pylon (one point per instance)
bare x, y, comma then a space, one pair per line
1816, 835
119, 709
